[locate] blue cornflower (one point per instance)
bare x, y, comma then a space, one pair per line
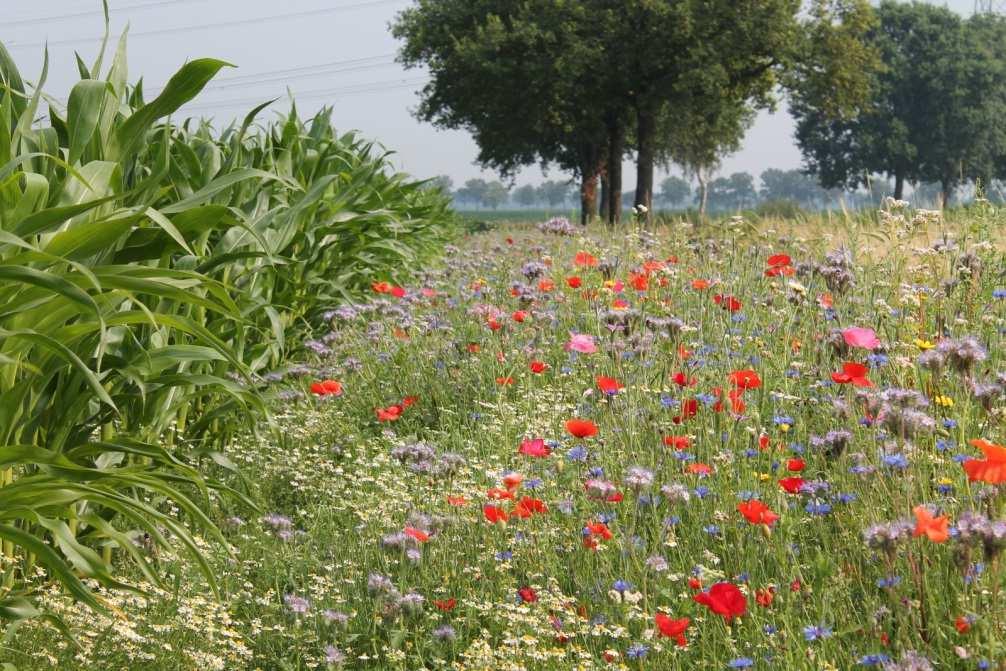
750, 452
816, 632
533, 483
890, 581
817, 508
702, 491
504, 555
741, 663
596, 472
877, 360
712, 530
949, 423
621, 585
667, 401
577, 453
943, 445
769, 630
783, 419
898, 460
636, 651
797, 448
875, 659
999, 293
672, 520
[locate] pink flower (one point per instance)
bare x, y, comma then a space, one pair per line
584, 344
534, 447
857, 336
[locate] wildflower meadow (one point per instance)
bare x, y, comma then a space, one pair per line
661, 447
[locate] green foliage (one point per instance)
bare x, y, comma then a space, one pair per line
935, 107
149, 274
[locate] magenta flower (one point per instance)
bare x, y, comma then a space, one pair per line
857, 336
584, 344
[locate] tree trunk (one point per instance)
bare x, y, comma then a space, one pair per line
946, 193
588, 195
703, 193
646, 129
899, 186
616, 148
605, 190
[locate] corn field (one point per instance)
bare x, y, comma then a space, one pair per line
150, 274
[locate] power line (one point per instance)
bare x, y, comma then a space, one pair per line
346, 91
222, 24
93, 12
301, 72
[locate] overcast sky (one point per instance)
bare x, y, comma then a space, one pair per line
336, 52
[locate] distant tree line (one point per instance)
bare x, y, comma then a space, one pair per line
729, 193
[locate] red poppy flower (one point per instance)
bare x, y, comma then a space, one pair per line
389, 414
327, 388
786, 271
694, 583
546, 285
795, 465
779, 264
678, 442
519, 316
745, 379
763, 441
397, 292
699, 469
528, 506
574, 282
727, 302
494, 514
409, 401
585, 260
991, 469
381, 287
765, 596
527, 595
756, 512
474, 348
724, 599
538, 367
700, 285
534, 447
504, 381
497, 494
791, 485
639, 282
446, 605
457, 501
608, 385
682, 380
581, 428
854, 373
962, 624
688, 409
594, 533
512, 480
493, 324
418, 534
672, 628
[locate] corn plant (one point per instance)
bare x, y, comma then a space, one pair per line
148, 273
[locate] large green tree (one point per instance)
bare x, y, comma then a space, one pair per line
936, 107
576, 83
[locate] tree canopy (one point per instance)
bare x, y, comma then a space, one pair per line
577, 83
